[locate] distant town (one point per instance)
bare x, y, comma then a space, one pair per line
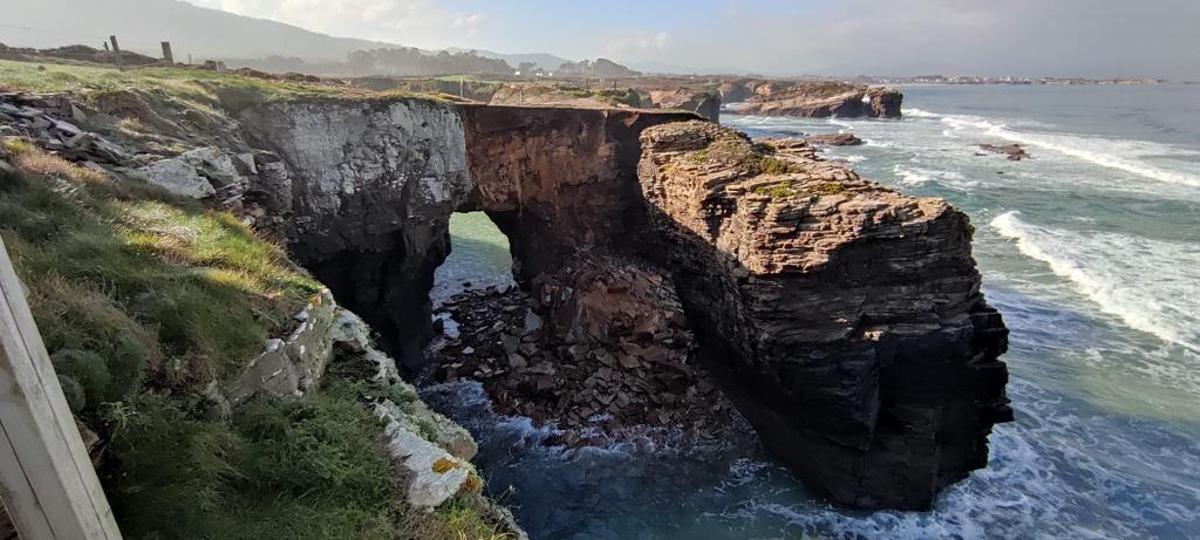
955, 79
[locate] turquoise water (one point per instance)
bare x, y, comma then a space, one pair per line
1091, 250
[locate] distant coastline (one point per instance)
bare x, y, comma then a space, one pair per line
955, 79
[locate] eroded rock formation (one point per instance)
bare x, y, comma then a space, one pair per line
706, 103
844, 319
557, 181
817, 99
367, 188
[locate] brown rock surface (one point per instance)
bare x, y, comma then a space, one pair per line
613, 359
704, 103
817, 99
834, 139
885, 102
844, 319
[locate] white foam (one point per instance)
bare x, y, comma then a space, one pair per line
920, 113
1124, 155
1148, 284
916, 176
846, 126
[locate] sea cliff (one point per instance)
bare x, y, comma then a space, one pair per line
843, 320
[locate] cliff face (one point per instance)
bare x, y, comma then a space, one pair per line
845, 319
366, 190
557, 181
704, 103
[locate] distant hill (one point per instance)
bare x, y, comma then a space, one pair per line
548, 62
142, 24
205, 33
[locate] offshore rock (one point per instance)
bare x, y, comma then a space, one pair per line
704, 103
844, 319
885, 102
817, 99
835, 139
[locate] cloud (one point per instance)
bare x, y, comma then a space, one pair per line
411, 22
638, 45
1019, 37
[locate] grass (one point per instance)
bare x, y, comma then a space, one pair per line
201, 88
790, 189
143, 300
748, 158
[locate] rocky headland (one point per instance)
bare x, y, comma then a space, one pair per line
668, 267
817, 99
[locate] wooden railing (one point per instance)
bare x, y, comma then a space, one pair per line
49, 486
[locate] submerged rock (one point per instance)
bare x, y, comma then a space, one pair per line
1014, 151
835, 139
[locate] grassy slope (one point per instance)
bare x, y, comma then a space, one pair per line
144, 300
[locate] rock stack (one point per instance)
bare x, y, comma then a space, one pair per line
845, 319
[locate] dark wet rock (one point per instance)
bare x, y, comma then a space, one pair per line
835, 139
844, 319
1014, 151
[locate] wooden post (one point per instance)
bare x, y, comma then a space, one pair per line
117, 53
167, 56
49, 485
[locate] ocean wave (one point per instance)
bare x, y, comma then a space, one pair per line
846, 126
1124, 155
917, 176
1044, 480
920, 113
1147, 284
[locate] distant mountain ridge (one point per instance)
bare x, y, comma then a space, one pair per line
205, 33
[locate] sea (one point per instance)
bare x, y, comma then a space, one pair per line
1090, 249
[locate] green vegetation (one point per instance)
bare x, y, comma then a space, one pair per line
747, 157
776, 191
789, 189
202, 88
610, 96
143, 300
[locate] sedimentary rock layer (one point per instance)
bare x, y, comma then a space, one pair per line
812, 99
558, 181
846, 319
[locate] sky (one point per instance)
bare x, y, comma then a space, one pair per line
1093, 38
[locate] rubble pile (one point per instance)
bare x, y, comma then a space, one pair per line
611, 357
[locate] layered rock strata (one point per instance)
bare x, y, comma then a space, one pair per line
817, 99
705, 103
557, 181
845, 319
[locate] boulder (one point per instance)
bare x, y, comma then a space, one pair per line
178, 177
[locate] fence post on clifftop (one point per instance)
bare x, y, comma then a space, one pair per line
117, 53
167, 56
49, 486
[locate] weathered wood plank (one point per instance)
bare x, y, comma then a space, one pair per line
49, 485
